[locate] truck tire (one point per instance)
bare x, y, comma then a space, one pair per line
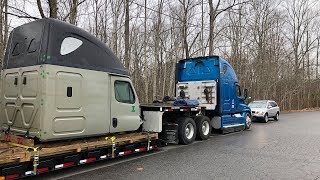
248, 121
203, 127
186, 130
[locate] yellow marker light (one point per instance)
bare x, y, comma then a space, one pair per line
113, 138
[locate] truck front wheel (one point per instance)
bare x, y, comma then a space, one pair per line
203, 127
187, 130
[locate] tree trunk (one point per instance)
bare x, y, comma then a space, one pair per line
53, 6
185, 27
73, 11
203, 49
126, 36
3, 30
211, 29
157, 47
145, 51
317, 58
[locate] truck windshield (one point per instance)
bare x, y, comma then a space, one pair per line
256, 104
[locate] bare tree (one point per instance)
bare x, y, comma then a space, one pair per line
3, 28
116, 11
214, 12
126, 34
73, 11
53, 7
158, 28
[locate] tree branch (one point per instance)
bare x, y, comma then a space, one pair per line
229, 7
19, 10
40, 8
67, 15
21, 16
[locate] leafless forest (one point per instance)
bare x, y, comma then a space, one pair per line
273, 45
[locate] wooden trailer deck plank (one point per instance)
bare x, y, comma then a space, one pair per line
77, 146
14, 154
16, 139
10, 153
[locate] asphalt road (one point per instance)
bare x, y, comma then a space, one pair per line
287, 149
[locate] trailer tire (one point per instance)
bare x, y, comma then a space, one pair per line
203, 127
186, 130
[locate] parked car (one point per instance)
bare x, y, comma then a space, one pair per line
265, 109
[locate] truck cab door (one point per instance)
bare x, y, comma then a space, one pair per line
225, 98
125, 110
239, 98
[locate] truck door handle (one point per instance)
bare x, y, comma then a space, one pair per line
24, 81
114, 122
15, 80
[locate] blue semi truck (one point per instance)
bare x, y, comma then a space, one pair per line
213, 83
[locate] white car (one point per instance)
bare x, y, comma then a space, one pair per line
265, 109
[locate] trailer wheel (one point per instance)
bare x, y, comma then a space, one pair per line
203, 127
186, 130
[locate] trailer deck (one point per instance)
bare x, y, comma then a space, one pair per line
163, 107
20, 157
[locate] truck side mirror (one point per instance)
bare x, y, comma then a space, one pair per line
245, 93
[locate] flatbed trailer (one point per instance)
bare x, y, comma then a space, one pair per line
20, 157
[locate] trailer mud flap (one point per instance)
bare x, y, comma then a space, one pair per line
170, 133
